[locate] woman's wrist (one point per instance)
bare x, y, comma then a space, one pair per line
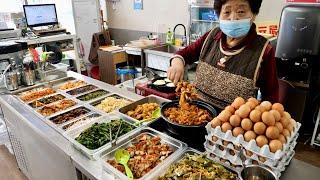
177, 60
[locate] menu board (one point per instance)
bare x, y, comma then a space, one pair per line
304, 1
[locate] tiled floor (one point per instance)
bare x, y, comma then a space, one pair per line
10, 171
8, 166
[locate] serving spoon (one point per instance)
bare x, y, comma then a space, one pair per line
122, 156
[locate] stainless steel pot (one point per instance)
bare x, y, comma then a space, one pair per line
257, 172
29, 77
11, 80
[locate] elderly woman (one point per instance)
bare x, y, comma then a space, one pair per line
233, 60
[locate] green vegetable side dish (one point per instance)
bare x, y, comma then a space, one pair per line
193, 166
99, 134
92, 95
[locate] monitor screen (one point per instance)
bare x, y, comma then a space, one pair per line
40, 14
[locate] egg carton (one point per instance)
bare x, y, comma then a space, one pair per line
224, 143
209, 144
252, 145
271, 162
223, 157
225, 153
223, 161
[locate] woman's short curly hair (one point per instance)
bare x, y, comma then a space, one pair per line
254, 5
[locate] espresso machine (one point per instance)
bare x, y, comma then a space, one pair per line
11, 59
298, 61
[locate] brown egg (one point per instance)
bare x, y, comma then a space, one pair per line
252, 105
249, 153
290, 127
279, 107
282, 139
235, 120
255, 115
238, 102
230, 109
286, 115
249, 135
225, 143
286, 133
261, 140
279, 126
266, 104
254, 100
246, 124
244, 111
237, 131
226, 126
268, 119
293, 122
260, 108
275, 145
259, 128
272, 132
224, 116
215, 122
237, 112
285, 122
262, 159
276, 114
214, 138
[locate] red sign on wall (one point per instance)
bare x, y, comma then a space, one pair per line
304, 1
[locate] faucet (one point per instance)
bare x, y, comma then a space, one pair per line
184, 38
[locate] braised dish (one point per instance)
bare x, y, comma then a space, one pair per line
67, 116
145, 154
72, 84
46, 100
36, 93
188, 114
56, 107
143, 111
196, 166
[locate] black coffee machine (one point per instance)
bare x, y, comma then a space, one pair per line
298, 60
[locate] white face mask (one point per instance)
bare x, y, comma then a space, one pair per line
236, 28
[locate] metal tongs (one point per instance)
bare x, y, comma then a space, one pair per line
114, 142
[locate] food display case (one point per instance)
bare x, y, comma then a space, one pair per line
57, 146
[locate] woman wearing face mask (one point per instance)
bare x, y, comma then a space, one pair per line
233, 60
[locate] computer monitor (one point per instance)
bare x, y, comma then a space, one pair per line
40, 14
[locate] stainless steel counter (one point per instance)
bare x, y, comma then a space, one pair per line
44, 145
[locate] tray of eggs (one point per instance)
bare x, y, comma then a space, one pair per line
265, 129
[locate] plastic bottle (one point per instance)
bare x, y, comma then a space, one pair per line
169, 38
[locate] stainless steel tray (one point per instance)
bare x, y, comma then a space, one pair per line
108, 154
102, 90
46, 97
57, 85
74, 123
58, 112
73, 92
149, 99
52, 118
97, 102
43, 84
161, 171
92, 154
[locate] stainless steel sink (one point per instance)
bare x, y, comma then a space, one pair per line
159, 57
165, 50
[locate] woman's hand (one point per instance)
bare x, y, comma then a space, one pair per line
176, 72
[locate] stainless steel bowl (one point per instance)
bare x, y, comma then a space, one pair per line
256, 172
